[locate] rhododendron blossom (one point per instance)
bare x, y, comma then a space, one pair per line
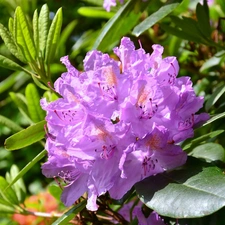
118, 122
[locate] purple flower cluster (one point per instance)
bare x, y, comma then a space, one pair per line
107, 4
118, 122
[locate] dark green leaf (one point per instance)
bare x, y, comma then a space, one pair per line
194, 142
28, 167
214, 97
43, 25
209, 152
26, 137
70, 214
10, 124
7, 194
202, 13
154, 18
33, 103
214, 118
53, 36
193, 191
120, 24
23, 36
9, 42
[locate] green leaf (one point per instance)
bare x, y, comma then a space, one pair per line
7, 194
70, 214
213, 61
214, 118
215, 97
209, 152
53, 36
33, 103
10, 25
10, 43
154, 18
202, 12
10, 124
9, 64
23, 36
18, 186
120, 24
35, 30
26, 137
193, 191
27, 167
95, 12
21, 103
55, 191
43, 25
194, 142
6, 207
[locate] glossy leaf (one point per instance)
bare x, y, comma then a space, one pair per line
28, 167
70, 214
33, 103
26, 137
209, 152
23, 36
154, 18
10, 124
193, 191
120, 24
43, 25
7, 194
9, 42
53, 36
214, 97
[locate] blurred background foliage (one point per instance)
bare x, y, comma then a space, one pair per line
187, 33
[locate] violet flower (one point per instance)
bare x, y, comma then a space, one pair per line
116, 116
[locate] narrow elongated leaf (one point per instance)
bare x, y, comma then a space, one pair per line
191, 192
43, 25
33, 103
154, 18
23, 36
35, 30
194, 142
28, 167
53, 36
70, 214
10, 43
10, 25
9, 64
7, 194
214, 97
120, 24
18, 186
94, 12
5, 208
10, 124
214, 118
26, 137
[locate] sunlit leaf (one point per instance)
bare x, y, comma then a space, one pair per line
35, 30
23, 36
154, 18
53, 36
7, 194
28, 167
33, 103
43, 25
26, 137
120, 24
94, 12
